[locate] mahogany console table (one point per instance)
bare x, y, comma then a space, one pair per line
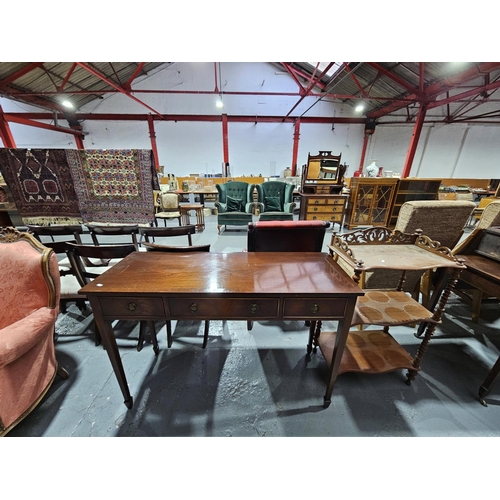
233, 286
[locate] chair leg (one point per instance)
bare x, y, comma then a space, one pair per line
154, 339
97, 334
249, 325
169, 333
205, 335
62, 372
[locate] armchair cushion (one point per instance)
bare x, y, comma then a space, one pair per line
234, 204
272, 204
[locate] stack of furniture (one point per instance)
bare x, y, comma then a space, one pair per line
321, 188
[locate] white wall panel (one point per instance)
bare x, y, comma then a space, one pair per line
189, 147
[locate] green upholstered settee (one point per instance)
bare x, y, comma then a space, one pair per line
275, 200
234, 204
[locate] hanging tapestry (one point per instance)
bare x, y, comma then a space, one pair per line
114, 185
41, 185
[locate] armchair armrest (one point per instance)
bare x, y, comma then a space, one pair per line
19, 337
221, 207
289, 207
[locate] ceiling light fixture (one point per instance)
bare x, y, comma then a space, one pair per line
67, 104
219, 102
359, 108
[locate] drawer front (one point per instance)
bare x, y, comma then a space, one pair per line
314, 308
217, 308
326, 216
312, 209
325, 201
121, 307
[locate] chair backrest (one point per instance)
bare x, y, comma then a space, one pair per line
30, 276
286, 236
169, 202
440, 220
235, 189
271, 190
489, 218
130, 231
154, 247
63, 232
167, 232
77, 253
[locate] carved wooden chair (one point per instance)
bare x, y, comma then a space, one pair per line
148, 234
167, 207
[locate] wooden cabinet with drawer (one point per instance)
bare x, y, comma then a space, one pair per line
323, 207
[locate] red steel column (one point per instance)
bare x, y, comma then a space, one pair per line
225, 144
152, 136
79, 142
414, 140
5, 132
296, 135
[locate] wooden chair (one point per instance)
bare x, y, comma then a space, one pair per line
167, 207
148, 234
85, 275
56, 233
129, 231
153, 247
286, 236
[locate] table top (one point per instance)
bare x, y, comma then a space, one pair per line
394, 256
224, 274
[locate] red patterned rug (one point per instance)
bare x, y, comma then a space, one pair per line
41, 185
114, 185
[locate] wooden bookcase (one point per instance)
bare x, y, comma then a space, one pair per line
410, 190
370, 201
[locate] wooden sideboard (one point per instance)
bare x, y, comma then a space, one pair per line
327, 207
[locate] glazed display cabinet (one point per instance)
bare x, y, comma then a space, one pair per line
370, 201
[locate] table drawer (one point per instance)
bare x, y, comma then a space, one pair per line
314, 308
217, 308
123, 307
327, 217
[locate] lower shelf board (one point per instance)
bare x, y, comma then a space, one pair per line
367, 351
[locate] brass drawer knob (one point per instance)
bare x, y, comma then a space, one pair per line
316, 202
314, 308
254, 308
315, 209
193, 307
132, 306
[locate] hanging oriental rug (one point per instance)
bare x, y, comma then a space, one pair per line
41, 185
114, 185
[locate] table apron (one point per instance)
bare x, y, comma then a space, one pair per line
237, 308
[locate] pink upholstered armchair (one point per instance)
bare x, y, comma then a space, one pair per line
29, 298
